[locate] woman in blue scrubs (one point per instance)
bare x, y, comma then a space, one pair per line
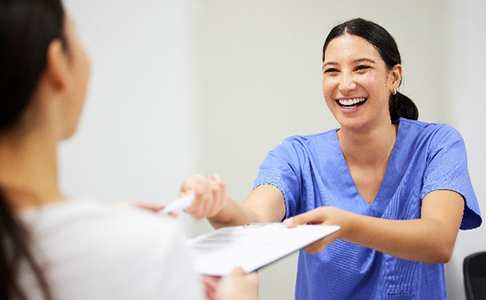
399, 188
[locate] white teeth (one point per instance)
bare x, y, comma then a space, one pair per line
348, 102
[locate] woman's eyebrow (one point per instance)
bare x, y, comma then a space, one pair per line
359, 60
329, 63
364, 60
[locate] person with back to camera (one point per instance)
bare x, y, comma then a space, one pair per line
52, 247
398, 188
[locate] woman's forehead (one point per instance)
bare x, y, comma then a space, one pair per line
350, 47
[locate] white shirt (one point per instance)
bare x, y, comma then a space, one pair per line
96, 251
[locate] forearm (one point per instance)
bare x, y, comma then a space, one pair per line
424, 240
429, 239
264, 204
233, 214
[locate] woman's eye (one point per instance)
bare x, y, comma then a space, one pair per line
330, 71
362, 68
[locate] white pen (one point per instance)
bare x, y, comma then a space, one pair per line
179, 204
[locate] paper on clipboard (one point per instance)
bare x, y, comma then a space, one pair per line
251, 247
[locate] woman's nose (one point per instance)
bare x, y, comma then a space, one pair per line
347, 83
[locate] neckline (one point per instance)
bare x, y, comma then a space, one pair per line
385, 191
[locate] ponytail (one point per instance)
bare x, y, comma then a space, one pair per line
14, 250
402, 107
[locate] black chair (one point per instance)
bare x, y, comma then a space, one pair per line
474, 269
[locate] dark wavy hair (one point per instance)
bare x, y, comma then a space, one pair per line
400, 105
27, 27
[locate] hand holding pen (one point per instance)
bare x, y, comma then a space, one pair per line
210, 195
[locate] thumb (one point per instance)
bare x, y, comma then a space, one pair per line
238, 272
311, 217
191, 182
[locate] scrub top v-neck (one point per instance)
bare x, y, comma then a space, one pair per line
347, 188
311, 172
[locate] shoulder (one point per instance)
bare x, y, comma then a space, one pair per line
428, 128
96, 220
300, 147
85, 243
309, 138
318, 140
433, 133
97, 232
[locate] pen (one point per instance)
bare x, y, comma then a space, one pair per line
179, 204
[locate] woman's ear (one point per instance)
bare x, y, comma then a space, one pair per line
56, 71
395, 76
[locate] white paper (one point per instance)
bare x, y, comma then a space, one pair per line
251, 246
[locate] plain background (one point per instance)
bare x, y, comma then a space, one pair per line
211, 86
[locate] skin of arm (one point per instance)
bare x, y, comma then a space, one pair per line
264, 204
429, 239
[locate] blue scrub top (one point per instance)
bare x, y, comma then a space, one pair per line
311, 171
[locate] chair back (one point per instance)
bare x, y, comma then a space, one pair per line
474, 269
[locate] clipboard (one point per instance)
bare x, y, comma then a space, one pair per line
251, 246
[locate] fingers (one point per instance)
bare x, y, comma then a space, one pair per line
148, 206
309, 218
321, 216
196, 184
198, 208
189, 185
210, 194
312, 217
210, 286
143, 205
237, 272
252, 280
238, 285
218, 191
218, 181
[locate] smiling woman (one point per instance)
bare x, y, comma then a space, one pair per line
381, 61
398, 188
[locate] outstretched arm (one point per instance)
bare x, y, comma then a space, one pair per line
429, 239
264, 204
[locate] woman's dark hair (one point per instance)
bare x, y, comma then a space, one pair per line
27, 27
400, 105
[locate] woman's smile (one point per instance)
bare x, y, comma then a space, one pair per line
348, 103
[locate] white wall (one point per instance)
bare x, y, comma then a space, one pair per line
134, 140
466, 107
260, 80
